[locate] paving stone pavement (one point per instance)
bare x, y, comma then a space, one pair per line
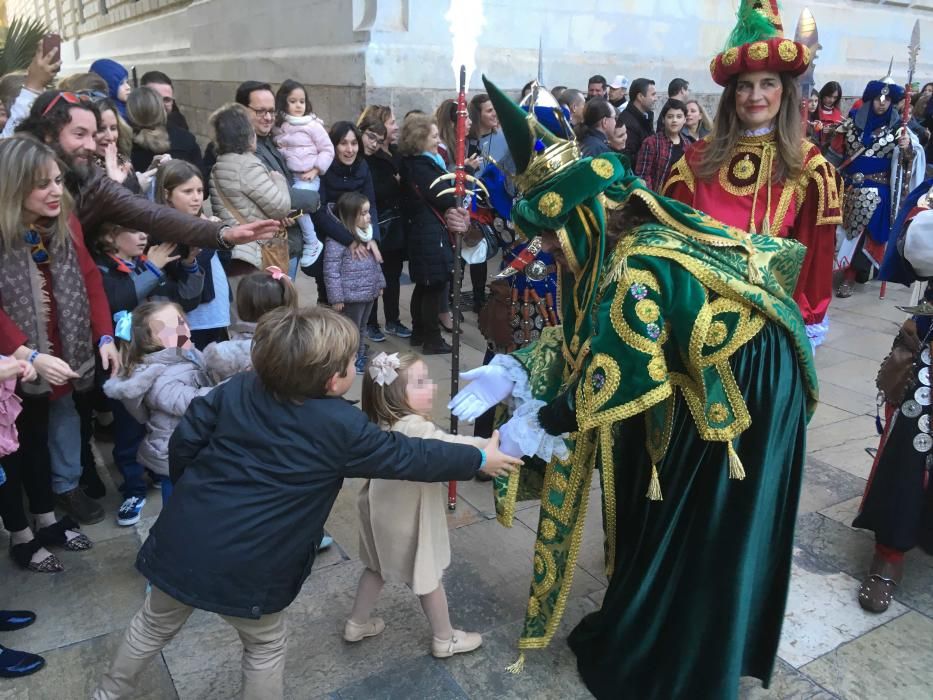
830, 647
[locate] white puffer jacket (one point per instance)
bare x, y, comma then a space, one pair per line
253, 190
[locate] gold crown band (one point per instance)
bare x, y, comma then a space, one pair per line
547, 163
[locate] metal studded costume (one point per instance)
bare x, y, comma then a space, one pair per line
866, 148
898, 501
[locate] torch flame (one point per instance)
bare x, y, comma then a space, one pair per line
466, 20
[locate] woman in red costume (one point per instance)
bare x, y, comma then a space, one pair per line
755, 171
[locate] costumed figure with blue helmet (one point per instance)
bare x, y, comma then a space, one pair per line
682, 371
898, 501
523, 297
867, 148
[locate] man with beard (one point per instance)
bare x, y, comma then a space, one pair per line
68, 123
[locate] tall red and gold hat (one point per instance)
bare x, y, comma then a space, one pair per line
758, 43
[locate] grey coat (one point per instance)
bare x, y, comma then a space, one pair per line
230, 357
157, 393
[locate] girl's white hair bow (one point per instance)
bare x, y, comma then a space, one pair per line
384, 368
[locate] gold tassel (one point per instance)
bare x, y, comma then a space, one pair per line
654, 488
518, 666
736, 470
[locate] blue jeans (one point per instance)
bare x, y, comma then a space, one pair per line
127, 434
293, 268
64, 444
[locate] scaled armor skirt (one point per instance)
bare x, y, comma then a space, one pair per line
701, 578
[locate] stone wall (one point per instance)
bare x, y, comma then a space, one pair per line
349, 52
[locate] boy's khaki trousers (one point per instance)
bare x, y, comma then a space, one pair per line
159, 620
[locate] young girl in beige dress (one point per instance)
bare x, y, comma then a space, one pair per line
403, 531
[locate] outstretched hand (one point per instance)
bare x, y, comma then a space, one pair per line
253, 231
497, 462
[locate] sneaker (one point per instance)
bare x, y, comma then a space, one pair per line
374, 334
459, 643
398, 328
361, 365
130, 511
15, 664
310, 253
354, 632
80, 506
326, 542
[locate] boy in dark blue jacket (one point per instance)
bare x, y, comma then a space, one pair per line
257, 465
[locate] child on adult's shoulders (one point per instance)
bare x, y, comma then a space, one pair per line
271, 446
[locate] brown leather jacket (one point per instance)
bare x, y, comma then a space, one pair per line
99, 199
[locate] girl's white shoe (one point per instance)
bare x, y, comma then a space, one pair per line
459, 643
354, 632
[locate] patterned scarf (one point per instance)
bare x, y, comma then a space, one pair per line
24, 298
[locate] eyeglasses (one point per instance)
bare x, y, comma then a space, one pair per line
262, 112
376, 138
69, 97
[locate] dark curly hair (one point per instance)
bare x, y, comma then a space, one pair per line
47, 126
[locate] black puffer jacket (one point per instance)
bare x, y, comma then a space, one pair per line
384, 170
339, 179
430, 257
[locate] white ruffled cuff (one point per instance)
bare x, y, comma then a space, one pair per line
527, 433
521, 389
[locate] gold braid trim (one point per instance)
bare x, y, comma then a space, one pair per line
581, 462
609, 497
681, 172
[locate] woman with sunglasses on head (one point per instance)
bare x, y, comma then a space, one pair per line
55, 316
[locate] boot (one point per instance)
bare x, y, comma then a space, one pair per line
77, 504
877, 589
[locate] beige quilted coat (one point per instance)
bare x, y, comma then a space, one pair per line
253, 190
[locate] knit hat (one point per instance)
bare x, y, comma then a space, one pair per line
757, 43
113, 74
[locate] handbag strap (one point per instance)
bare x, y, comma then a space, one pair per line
228, 206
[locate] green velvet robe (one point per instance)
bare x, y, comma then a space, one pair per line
693, 383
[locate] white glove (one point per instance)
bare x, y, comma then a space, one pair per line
507, 443
488, 386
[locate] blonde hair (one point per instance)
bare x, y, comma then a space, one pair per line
124, 130
379, 113
142, 341
24, 162
416, 130
727, 130
705, 121
387, 404
296, 352
148, 118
